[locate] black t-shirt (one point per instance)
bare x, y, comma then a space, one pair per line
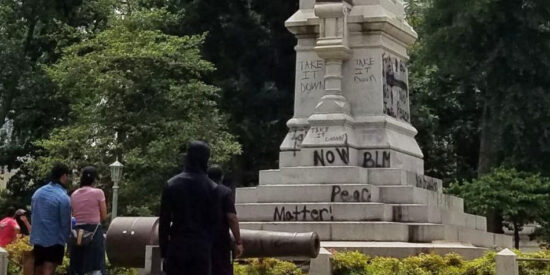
225, 197
189, 210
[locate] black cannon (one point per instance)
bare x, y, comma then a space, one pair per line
128, 237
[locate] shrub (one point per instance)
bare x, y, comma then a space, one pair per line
267, 266
22, 245
15, 254
355, 263
349, 263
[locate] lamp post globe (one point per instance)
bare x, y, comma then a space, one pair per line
116, 174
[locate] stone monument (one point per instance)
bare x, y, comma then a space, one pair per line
350, 167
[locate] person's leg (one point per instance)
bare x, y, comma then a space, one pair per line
221, 261
200, 262
38, 270
189, 258
48, 268
51, 258
38, 260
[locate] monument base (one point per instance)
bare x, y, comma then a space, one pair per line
376, 208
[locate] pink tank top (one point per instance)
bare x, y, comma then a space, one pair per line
85, 203
8, 231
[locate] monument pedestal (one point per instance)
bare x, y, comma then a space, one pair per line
355, 205
350, 168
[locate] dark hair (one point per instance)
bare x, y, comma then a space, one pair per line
10, 212
89, 174
58, 170
196, 159
215, 173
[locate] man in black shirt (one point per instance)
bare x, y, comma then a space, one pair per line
221, 251
189, 216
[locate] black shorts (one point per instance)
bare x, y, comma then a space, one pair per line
52, 254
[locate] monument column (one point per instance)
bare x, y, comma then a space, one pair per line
352, 87
332, 46
330, 140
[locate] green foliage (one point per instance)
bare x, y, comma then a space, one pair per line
349, 263
519, 197
518, 194
267, 266
15, 253
136, 94
253, 52
353, 263
445, 113
21, 246
33, 34
481, 94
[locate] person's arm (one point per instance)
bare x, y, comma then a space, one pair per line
65, 216
233, 221
103, 211
165, 219
234, 226
102, 206
26, 223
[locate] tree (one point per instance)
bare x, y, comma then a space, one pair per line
136, 94
487, 48
484, 95
248, 43
32, 34
521, 197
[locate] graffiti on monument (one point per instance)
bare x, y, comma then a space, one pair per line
363, 70
328, 156
311, 75
427, 183
342, 193
376, 159
395, 88
318, 132
303, 213
297, 137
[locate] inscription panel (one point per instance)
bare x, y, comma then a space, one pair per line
395, 87
309, 82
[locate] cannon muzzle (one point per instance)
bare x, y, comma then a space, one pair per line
128, 237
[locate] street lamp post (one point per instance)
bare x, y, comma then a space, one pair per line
116, 175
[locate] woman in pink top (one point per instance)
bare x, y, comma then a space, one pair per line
9, 229
89, 209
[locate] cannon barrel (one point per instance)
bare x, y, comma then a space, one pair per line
259, 244
128, 237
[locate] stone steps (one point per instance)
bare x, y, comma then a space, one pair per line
415, 195
387, 231
424, 213
314, 212
391, 194
309, 193
356, 211
348, 175
359, 204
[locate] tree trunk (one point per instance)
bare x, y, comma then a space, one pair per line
516, 235
486, 158
494, 222
488, 140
